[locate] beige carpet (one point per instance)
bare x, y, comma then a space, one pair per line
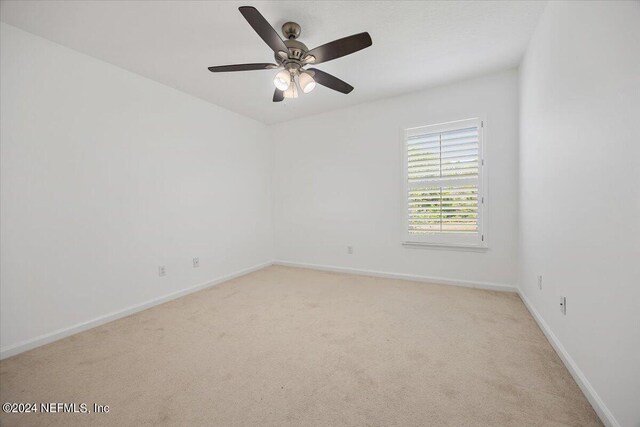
297, 347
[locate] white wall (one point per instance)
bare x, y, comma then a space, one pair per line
580, 191
337, 182
107, 175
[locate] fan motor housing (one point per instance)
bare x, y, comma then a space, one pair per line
297, 50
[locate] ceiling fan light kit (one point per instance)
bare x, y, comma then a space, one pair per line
292, 56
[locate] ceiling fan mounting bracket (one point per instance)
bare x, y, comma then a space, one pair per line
291, 30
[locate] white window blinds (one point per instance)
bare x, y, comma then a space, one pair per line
443, 165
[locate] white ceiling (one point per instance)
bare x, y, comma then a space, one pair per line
415, 44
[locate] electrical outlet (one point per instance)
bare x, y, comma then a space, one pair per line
196, 262
349, 250
540, 282
161, 271
563, 305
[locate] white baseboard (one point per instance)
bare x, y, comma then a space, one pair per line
587, 389
14, 349
402, 276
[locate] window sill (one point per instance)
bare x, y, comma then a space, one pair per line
446, 246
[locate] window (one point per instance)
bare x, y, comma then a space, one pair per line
443, 187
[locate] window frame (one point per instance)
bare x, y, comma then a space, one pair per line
477, 240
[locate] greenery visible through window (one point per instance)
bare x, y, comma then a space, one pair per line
443, 209
443, 166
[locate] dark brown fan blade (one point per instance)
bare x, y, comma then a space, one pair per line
330, 81
278, 95
242, 67
340, 47
263, 28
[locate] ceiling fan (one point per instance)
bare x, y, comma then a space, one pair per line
292, 56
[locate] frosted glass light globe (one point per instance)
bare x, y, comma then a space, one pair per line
292, 92
282, 80
307, 83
